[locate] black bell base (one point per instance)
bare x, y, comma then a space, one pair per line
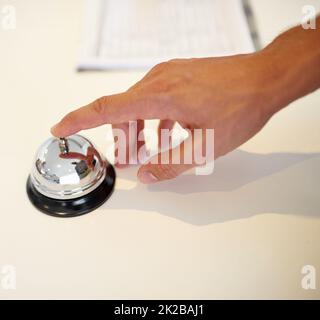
73, 207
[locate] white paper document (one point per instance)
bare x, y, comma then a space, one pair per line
128, 34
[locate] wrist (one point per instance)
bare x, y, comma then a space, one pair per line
292, 64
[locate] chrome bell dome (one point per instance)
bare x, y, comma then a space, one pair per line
69, 177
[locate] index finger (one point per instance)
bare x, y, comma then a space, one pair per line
113, 109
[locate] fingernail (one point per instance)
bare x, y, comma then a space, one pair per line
54, 128
148, 177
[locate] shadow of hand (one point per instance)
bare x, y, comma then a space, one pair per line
243, 184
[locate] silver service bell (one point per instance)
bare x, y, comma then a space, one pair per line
69, 177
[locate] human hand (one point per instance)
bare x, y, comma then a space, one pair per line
234, 95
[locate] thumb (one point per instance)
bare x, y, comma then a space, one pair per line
187, 155
152, 173
168, 165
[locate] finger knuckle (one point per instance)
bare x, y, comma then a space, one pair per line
160, 67
99, 106
174, 61
70, 118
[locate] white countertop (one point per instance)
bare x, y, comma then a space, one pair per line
244, 232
